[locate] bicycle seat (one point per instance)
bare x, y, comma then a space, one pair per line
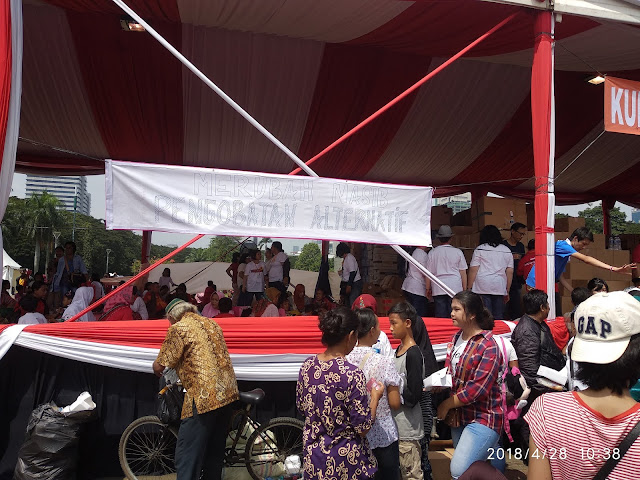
253, 397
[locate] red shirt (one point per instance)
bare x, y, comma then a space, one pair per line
526, 264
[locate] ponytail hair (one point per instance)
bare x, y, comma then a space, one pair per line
473, 306
366, 321
337, 324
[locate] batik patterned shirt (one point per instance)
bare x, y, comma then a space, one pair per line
196, 349
333, 397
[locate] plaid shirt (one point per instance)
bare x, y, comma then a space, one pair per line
475, 380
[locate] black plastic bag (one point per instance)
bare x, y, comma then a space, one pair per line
50, 448
170, 398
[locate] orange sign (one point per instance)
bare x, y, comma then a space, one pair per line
621, 106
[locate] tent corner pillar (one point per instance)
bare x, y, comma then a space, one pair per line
146, 246
543, 132
607, 206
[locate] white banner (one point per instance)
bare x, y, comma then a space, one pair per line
229, 202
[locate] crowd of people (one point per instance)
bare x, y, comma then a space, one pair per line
498, 270
556, 386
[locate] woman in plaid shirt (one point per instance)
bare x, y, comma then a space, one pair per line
473, 360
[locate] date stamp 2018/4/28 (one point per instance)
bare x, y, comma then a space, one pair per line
500, 453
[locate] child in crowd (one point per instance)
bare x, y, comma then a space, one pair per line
29, 304
383, 436
225, 305
410, 365
165, 279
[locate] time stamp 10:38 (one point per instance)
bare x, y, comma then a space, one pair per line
553, 453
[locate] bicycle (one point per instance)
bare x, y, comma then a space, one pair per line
272, 450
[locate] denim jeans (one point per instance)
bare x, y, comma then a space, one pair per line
495, 304
471, 443
442, 304
418, 301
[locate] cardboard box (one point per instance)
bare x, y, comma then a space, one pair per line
462, 219
463, 230
501, 212
531, 217
561, 235
566, 305
600, 240
577, 270
620, 257
569, 224
440, 215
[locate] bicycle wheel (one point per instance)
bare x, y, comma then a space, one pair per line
147, 449
275, 449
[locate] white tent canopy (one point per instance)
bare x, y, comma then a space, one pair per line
216, 272
10, 268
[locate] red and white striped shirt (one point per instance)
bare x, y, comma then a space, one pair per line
578, 440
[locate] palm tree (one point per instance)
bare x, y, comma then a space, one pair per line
263, 242
42, 216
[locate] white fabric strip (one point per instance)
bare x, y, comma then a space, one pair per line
276, 367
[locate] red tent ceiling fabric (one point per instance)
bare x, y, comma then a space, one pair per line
309, 71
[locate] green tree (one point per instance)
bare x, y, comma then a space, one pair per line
593, 219
221, 248
310, 258
41, 216
199, 255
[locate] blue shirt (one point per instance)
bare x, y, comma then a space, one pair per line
76, 265
564, 250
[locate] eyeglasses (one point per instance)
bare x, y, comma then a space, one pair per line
521, 233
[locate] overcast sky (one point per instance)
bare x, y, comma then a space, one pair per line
95, 186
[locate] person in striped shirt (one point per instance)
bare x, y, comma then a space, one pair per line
573, 434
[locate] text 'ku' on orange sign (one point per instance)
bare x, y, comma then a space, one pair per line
621, 106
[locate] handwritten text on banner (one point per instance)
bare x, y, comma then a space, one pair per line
228, 202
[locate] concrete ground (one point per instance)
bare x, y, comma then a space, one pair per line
440, 455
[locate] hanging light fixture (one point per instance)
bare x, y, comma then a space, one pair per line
128, 24
595, 79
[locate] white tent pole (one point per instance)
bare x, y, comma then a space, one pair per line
215, 88
261, 129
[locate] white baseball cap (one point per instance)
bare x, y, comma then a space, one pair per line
605, 323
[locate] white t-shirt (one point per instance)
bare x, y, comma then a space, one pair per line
255, 276
508, 346
493, 263
349, 264
139, 307
383, 346
572, 367
445, 262
275, 269
32, 318
383, 431
165, 281
577, 440
457, 351
415, 280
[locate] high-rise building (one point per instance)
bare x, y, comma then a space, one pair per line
457, 203
635, 216
64, 189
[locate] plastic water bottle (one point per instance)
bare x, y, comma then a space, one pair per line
617, 243
611, 243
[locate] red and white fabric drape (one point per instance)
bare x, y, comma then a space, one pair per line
270, 349
543, 125
10, 93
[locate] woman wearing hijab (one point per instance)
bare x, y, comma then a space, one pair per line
81, 300
382, 346
300, 299
118, 307
265, 308
211, 309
